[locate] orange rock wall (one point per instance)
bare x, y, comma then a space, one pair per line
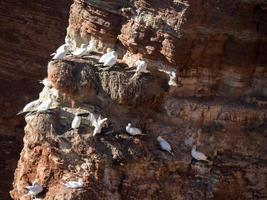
30, 31
216, 48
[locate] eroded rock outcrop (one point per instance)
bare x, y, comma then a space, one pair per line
202, 47
215, 48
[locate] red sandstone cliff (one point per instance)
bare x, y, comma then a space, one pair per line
30, 31
217, 50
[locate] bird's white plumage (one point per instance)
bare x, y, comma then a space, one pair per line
62, 53
198, 155
97, 123
59, 52
45, 105
76, 122
132, 130
105, 56
30, 106
84, 49
46, 83
111, 60
141, 67
164, 145
79, 52
34, 189
91, 46
74, 184
60, 49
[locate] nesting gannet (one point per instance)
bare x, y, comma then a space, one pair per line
198, 155
30, 106
133, 131
105, 56
141, 67
97, 123
74, 184
164, 145
111, 60
76, 122
91, 46
45, 105
46, 83
61, 53
34, 189
63, 46
79, 52
60, 49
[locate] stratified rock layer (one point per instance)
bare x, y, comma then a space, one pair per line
216, 48
219, 104
30, 32
114, 165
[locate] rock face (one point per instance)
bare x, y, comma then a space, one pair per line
29, 36
216, 48
30, 31
214, 54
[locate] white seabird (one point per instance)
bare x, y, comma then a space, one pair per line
30, 106
61, 53
111, 59
79, 52
63, 46
34, 189
45, 105
74, 184
105, 56
164, 145
133, 131
76, 122
91, 46
198, 155
46, 83
141, 67
97, 123
60, 49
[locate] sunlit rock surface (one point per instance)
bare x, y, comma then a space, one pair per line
218, 103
